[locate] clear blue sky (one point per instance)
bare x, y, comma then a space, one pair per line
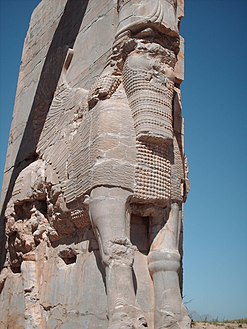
214, 107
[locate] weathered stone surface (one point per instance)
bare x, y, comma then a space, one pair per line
12, 302
96, 175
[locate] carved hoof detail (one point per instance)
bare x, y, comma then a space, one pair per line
128, 318
169, 320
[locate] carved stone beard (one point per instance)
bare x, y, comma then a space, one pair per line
150, 93
149, 85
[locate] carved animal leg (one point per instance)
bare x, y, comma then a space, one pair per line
107, 208
164, 263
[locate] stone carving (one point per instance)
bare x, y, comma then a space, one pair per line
109, 157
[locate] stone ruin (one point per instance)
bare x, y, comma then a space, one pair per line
95, 176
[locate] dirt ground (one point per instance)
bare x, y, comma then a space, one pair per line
219, 325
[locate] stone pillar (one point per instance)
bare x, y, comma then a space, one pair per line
164, 263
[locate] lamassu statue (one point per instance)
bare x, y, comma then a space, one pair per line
112, 158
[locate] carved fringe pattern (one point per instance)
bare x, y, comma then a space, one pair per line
64, 142
153, 172
150, 100
80, 218
80, 164
53, 143
104, 87
177, 174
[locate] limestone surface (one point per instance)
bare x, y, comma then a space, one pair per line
96, 176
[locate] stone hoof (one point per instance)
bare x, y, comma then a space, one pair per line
140, 324
185, 322
130, 318
168, 320
120, 320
